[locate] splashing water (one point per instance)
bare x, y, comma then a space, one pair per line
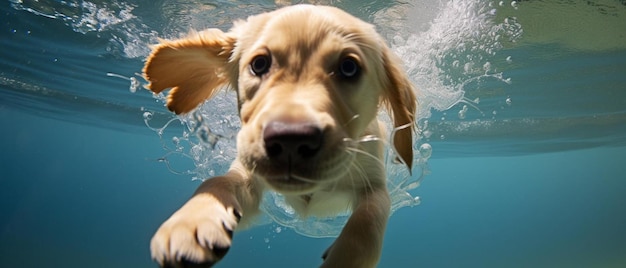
116, 19
208, 136
449, 56
454, 52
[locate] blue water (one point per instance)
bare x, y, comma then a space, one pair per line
532, 174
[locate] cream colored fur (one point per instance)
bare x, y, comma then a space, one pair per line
310, 79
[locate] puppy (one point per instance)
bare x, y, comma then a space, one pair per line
310, 81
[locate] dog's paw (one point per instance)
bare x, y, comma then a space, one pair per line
197, 235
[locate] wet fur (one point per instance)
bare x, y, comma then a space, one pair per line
303, 86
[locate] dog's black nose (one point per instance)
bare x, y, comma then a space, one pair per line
287, 142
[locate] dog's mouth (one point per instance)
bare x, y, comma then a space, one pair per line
305, 176
291, 177
297, 156
291, 183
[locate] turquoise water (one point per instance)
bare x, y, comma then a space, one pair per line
530, 173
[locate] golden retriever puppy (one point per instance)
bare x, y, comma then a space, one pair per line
310, 81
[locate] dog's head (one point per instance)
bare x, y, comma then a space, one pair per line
309, 82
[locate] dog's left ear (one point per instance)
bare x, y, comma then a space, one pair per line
195, 67
399, 97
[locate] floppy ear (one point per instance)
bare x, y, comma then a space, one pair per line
399, 97
195, 67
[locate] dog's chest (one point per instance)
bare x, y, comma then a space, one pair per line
321, 203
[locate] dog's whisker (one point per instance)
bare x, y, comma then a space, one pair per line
351, 174
303, 179
362, 175
354, 118
365, 153
367, 138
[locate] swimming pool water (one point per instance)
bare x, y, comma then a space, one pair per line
529, 174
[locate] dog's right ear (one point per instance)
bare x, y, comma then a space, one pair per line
400, 99
195, 67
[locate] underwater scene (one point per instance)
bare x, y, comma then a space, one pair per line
520, 150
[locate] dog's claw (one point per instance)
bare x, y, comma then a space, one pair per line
197, 235
237, 214
228, 230
220, 252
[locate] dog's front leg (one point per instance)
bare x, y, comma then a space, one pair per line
200, 232
361, 240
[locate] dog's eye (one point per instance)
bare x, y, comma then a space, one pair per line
349, 68
260, 65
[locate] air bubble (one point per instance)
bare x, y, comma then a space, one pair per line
463, 112
425, 151
147, 116
198, 117
508, 59
514, 4
425, 124
134, 84
443, 137
508, 101
427, 134
191, 125
206, 136
487, 67
468, 67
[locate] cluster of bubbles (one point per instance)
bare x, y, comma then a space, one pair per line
204, 136
454, 55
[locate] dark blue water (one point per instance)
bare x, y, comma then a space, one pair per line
535, 181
